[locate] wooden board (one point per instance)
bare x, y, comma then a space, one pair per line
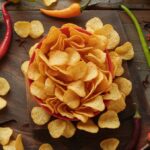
17, 108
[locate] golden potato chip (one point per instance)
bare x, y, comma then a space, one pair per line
69, 130
49, 2
39, 116
59, 93
86, 111
96, 103
125, 51
71, 99
36, 29
18, 143
58, 58
81, 117
78, 87
49, 87
5, 134
3, 103
70, 25
114, 93
74, 56
89, 126
22, 28
24, 67
4, 86
102, 42
92, 72
118, 105
10, 146
56, 128
32, 49
109, 119
46, 146
109, 144
75, 70
124, 85
94, 24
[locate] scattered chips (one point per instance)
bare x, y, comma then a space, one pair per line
89, 126
24, 67
46, 146
109, 120
3, 103
109, 144
4, 86
39, 116
5, 134
18, 143
56, 128
22, 28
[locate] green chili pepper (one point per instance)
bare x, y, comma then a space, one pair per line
140, 33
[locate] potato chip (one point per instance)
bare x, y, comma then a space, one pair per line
94, 24
22, 28
59, 93
5, 134
39, 116
32, 49
10, 146
92, 72
56, 128
125, 51
49, 87
75, 70
18, 143
81, 117
49, 2
69, 130
96, 103
109, 120
86, 111
58, 58
114, 93
78, 87
71, 99
109, 144
3, 103
118, 105
74, 56
4, 86
89, 126
46, 146
36, 29
102, 42
24, 67
124, 85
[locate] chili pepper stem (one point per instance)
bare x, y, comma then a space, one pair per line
84, 5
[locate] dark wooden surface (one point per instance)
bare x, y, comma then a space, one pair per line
137, 67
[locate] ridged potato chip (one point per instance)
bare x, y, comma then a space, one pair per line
49, 2
58, 58
71, 99
94, 24
32, 49
10, 146
109, 119
49, 87
5, 134
109, 144
78, 87
96, 103
125, 51
36, 29
118, 105
69, 130
39, 116
114, 93
46, 146
86, 111
18, 143
22, 28
3, 103
24, 67
4, 86
59, 93
56, 128
89, 126
124, 85
81, 117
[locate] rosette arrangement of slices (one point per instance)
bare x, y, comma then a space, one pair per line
74, 73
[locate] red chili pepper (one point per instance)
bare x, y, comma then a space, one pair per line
65, 31
4, 45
